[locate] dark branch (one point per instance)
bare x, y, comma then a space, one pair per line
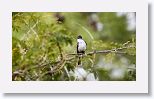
116, 50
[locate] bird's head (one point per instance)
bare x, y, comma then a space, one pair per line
79, 37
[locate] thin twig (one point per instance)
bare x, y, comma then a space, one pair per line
67, 72
31, 29
54, 69
60, 50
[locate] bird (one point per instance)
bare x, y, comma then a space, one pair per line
81, 45
81, 48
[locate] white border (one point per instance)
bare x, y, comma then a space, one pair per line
9, 86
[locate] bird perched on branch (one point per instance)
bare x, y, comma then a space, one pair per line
81, 47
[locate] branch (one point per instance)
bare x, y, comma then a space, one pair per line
116, 50
60, 50
54, 69
56, 66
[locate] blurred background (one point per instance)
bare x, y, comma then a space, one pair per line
44, 46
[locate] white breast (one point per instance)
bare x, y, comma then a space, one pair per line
81, 45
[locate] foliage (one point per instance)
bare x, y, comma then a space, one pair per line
44, 46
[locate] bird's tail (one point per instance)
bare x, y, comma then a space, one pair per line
79, 61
